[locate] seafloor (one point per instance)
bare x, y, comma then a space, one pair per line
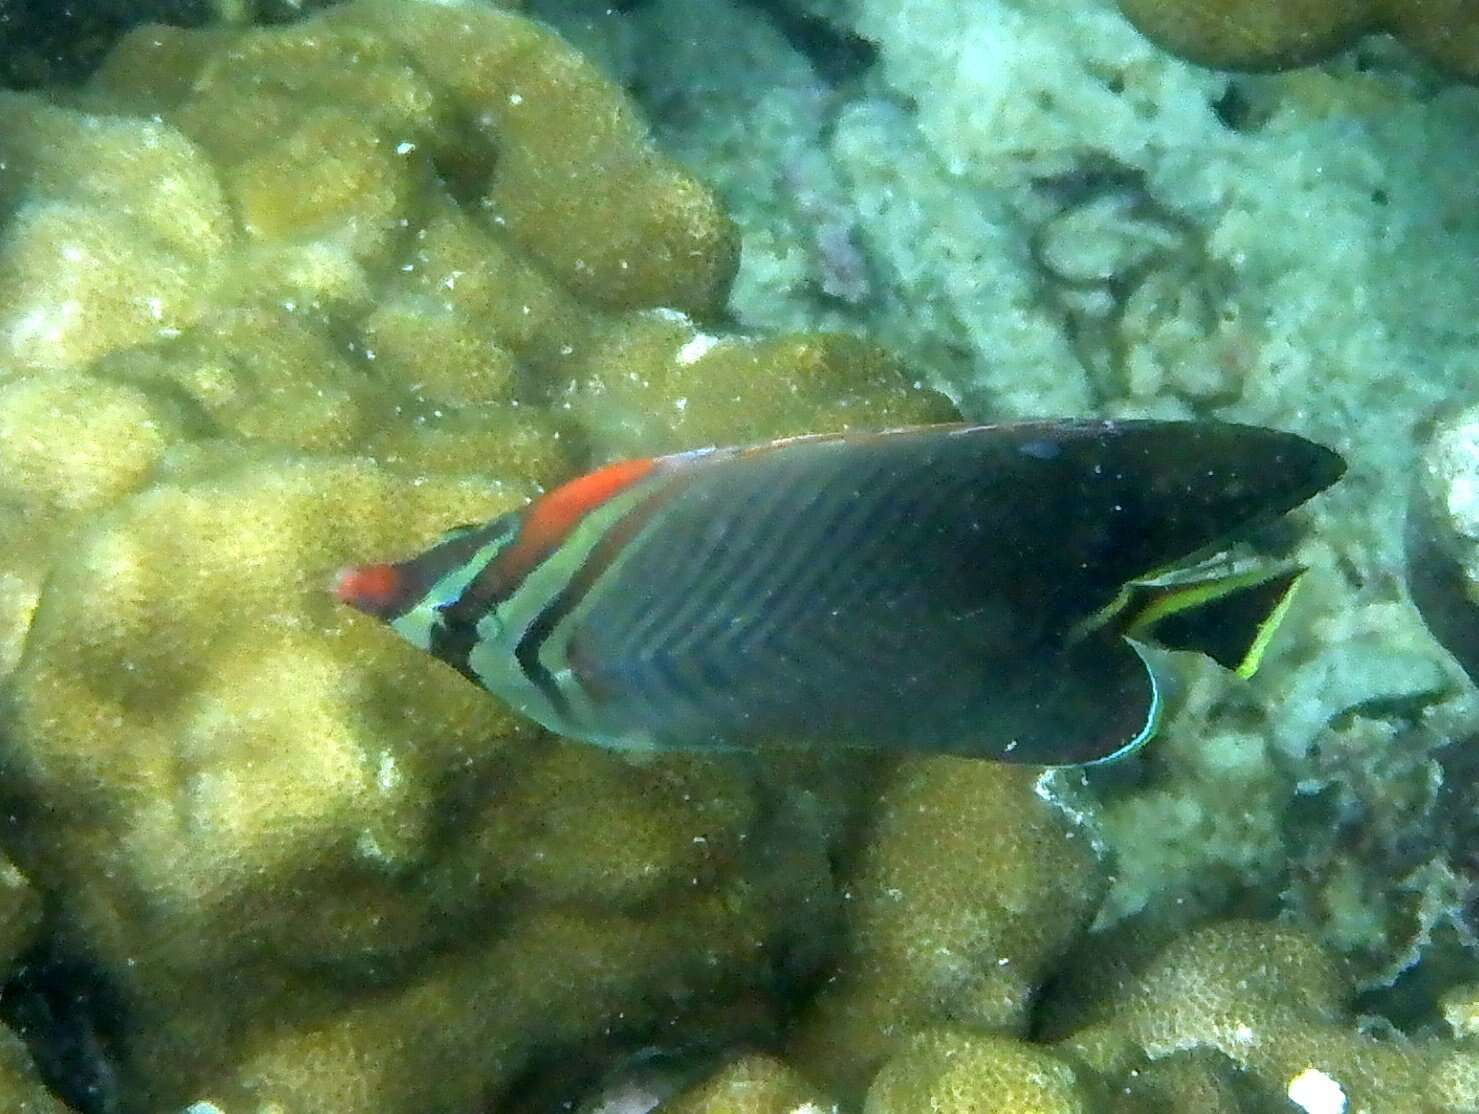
277, 298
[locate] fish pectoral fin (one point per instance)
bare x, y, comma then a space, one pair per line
1228, 618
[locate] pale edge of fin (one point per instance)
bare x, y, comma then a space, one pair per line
1148, 732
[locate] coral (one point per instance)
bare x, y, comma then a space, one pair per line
1200, 1080
955, 1072
1251, 34
1272, 1001
112, 226
1443, 536
830, 381
751, 1085
1276, 34
276, 299
20, 914
21, 1089
45, 46
970, 888
1461, 1009
1446, 30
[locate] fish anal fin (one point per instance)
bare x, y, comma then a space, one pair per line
1229, 618
1090, 703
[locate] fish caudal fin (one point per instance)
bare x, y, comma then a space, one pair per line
1230, 618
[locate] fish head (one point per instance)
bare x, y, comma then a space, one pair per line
417, 597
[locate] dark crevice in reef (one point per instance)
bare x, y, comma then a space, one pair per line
70, 1020
837, 55
50, 42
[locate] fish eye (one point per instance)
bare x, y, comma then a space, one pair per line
489, 626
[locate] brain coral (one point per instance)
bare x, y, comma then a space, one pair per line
273, 299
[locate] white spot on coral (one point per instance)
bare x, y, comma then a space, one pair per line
1243, 1034
203, 1106
696, 348
404, 147
369, 848
1316, 1093
46, 324
388, 775
515, 99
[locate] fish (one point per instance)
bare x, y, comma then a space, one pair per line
981, 591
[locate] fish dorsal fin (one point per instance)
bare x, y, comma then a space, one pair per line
1229, 618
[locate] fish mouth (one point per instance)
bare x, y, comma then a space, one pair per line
375, 589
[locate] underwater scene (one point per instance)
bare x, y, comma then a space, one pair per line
739, 557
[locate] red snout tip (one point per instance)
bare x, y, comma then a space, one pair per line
368, 587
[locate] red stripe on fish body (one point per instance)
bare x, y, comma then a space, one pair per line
543, 526
547, 521
934, 589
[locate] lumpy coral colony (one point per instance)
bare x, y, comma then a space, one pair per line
1272, 34
273, 299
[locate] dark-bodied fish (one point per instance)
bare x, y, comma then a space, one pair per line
960, 589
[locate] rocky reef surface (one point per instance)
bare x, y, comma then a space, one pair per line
273, 299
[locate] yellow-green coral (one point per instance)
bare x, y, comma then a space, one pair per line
275, 300
751, 1085
1274, 34
20, 914
953, 1072
21, 1089
1271, 1001
971, 886
1200, 1081
1460, 1007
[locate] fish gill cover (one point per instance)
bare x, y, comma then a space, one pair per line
273, 299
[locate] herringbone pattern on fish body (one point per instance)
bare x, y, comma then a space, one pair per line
952, 589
